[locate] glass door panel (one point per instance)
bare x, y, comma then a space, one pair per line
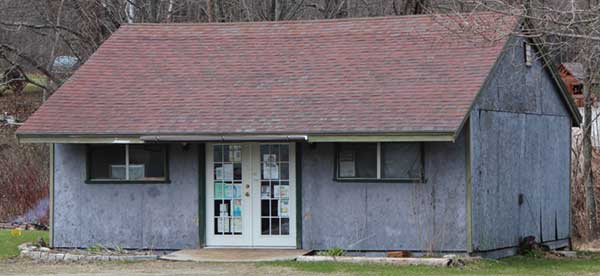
275, 189
227, 183
228, 195
274, 217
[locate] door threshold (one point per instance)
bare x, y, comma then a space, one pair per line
250, 247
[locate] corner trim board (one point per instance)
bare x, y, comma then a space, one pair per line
201, 195
469, 188
299, 217
51, 195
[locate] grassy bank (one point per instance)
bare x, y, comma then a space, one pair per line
9, 242
587, 264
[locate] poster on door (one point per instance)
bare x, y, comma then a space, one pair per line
284, 208
270, 167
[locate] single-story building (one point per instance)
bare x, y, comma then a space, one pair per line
370, 134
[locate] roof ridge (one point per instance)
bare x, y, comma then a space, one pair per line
304, 21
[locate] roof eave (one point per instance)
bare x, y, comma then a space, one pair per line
434, 136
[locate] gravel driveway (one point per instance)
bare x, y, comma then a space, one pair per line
24, 267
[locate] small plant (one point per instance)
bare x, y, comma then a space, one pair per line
530, 248
96, 248
119, 249
333, 252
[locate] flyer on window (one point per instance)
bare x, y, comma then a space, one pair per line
347, 164
237, 208
237, 225
237, 191
235, 154
228, 191
219, 173
284, 208
228, 171
218, 190
270, 166
284, 191
265, 191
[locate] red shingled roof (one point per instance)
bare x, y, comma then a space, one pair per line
363, 75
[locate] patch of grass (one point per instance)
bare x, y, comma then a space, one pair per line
9, 242
333, 252
513, 266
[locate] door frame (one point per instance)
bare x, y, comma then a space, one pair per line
205, 175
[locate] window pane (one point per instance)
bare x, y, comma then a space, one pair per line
357, 160
107, 162
147, 162
401, 160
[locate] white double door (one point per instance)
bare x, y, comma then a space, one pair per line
250, 195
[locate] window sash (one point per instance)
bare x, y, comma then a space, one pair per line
380, 176
127, 166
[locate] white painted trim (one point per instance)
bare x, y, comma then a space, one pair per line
251, 234
79, 140
379, 138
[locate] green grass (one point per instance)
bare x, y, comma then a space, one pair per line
9, 243
589, 264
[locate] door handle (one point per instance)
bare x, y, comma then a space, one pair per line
247, 194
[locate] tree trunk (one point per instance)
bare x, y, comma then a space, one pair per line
130, 11
50, 66
210, 10
590, 198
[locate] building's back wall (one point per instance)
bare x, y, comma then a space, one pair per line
162, 216
386, 216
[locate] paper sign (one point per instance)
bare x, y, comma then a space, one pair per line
228, 171
237, 208
270, 167
218, 190
228, 191
284, 191
265, 191
237, 225
219, 173
284, 208
237, 191
347, 166
235, 154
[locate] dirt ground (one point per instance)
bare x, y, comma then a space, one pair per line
21, 267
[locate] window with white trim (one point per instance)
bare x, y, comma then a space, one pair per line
127, 162
379, 161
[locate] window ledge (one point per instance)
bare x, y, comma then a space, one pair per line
364, 180
119, 182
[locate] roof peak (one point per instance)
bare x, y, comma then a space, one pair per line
312, 21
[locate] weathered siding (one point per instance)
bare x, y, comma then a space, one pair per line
386, 216
160, 216
520, 146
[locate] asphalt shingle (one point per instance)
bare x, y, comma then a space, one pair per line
363, 75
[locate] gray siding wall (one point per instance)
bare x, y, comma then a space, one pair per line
159, 216
520, 145
386, 216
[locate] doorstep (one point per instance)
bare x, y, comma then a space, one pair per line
234, 255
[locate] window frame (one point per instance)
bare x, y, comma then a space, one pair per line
379, 178
90, 180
